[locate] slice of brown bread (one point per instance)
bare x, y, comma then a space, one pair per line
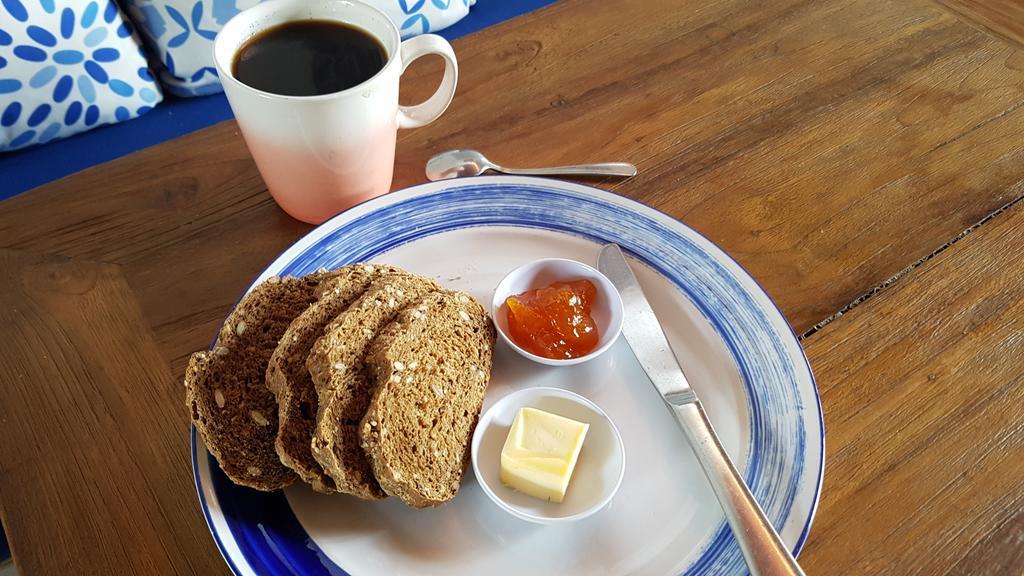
431, 366
289, 380
226, 391
336, 366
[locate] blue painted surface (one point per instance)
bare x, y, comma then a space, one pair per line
5, 549
273, 541
26, 169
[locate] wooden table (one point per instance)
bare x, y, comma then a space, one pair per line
863, 159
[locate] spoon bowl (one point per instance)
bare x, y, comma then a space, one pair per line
456, 163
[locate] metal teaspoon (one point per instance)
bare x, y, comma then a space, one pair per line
458, 163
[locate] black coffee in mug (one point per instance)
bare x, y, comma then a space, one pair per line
309, 58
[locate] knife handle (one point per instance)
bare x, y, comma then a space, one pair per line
764, 551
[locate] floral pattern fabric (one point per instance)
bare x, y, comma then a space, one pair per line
68, 66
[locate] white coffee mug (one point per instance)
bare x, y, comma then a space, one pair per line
322, 154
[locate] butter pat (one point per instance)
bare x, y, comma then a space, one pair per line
540, 453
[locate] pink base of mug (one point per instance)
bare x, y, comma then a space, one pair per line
316, 193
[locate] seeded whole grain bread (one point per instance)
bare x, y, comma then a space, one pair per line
431, 367
289, 380
226, 391
343, 385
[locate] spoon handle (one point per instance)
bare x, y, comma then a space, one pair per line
604, 169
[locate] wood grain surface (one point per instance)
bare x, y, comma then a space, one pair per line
923, 393
96, 469
1004, 18
827, 145
823, 144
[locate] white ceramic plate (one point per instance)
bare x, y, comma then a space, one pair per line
739, 353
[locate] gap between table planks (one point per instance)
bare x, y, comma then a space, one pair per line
826, 145
923, 394
1004, 18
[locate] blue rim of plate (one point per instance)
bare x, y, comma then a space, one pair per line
257, 532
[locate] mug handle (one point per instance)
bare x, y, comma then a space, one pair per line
428, 111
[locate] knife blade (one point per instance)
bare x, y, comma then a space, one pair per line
643, 331
764, 551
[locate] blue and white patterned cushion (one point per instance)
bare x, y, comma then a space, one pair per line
67, 66
181, 32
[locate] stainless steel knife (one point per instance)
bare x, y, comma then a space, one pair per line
764, 551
